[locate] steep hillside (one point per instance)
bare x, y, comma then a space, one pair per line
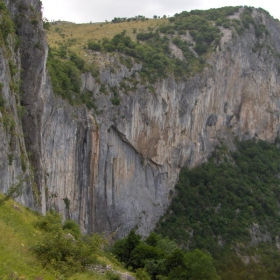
154, 102
76, 36
24, 238
230, 208
159, 107
17, 234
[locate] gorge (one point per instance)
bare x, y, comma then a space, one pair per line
114, 168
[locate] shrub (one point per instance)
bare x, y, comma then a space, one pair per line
62, 251
14, 191
87, 98
72, 227
2, 6
34, 21
2, 102
246, 17
65, 77
46, 24
49, 223
94, 46
12, 67
112, 276
141, 274
144, 36
116, 100
6, 26
79, 62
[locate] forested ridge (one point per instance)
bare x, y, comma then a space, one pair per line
196, 34
229, 207
223, 222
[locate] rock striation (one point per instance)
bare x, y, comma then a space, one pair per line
115, 170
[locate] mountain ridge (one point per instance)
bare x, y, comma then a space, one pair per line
76, 159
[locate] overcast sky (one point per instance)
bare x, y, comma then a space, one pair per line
82, 11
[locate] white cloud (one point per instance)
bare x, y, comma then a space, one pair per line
81, 11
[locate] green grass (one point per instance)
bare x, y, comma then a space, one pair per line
79, 48
77, 35
18, 235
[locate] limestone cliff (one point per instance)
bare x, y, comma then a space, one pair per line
114, 170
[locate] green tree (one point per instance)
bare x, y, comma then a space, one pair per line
200, 266
141, 274
63, 251
144, 252
124, 247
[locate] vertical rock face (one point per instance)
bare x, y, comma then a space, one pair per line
15, 169
114, 171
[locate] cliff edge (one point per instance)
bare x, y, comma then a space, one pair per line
114, 170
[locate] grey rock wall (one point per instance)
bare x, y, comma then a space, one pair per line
113, 171
14, 165
147, 139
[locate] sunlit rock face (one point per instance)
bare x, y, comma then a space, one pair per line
113, 171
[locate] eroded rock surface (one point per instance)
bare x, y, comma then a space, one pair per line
114, 170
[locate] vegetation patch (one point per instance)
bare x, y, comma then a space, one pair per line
152, 49
221, 205
2, 99
62, 246
36, 247
160, 258
6, 24
65, 70
147, 42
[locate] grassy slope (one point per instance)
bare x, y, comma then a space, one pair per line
65, 32
17, 235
